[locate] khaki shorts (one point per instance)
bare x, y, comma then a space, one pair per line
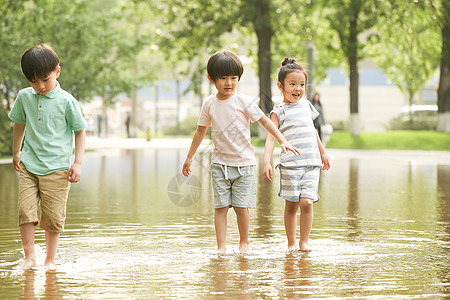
45, 192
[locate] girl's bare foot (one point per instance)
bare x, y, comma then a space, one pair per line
292, 247
304, 247
26, 265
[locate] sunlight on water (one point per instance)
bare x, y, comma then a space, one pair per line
381, 229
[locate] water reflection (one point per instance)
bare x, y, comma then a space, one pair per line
443, 185
381, 230
32, 285
230, 277
353, 200
298, 276
264, 203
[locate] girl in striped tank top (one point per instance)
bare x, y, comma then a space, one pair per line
299, 174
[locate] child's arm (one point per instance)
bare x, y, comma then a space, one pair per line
323, 155
75, 169
18, 134
268, 151
196, 141
270, 127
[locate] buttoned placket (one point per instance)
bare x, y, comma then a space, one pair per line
40, 111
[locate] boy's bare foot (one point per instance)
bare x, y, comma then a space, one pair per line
50, 265
221, 250
26, 265
304, 247
243, 248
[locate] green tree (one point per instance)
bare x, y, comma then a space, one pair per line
197, 28
350, 19
73, 28
11, 78
406, 45
300, 27
444, 80
135, 53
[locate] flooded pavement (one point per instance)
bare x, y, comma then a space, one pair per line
135, 230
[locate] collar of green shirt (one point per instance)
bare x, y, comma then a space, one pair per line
53, 93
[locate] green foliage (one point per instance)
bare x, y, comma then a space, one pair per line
298, 26
394, 140
6, 133
349, 18
407, 44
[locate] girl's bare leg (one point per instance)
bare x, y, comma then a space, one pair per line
243, 220
51, 243
306, 221
27, 234
220, 222
290, 222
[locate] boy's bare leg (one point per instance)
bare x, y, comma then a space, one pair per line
51, 243
27, 234
306, 221
290, 223
243, 220
220, 222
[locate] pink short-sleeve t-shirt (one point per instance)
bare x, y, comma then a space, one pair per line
230, 128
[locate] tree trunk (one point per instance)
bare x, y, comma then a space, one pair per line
134, 114
264, 31
354, 76
178, 104
444, 80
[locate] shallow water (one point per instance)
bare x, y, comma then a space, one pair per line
136, 231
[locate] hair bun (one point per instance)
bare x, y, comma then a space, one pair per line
288, 60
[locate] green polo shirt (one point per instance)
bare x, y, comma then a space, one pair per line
49, 124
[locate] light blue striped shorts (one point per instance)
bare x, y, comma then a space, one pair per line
301, 182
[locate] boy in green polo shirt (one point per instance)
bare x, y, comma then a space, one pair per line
45, 119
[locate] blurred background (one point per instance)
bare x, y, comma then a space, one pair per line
378, 65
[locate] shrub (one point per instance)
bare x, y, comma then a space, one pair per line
187, 127
417, 123
339, 125
6, 132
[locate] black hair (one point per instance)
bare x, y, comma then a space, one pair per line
224, 63
290, 65
39, 61
314, 98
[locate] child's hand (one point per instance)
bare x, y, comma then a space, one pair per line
325, 162
267, 172
75, 173
16, 162
287, 146
187, 167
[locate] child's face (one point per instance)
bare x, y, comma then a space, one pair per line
225, 85
294, 87
45, 85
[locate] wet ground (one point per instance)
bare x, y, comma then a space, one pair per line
137, 231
